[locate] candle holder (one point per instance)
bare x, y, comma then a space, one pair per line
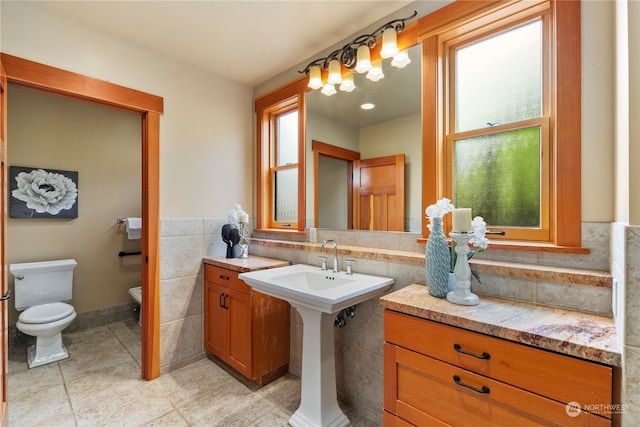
243, 244
462, 294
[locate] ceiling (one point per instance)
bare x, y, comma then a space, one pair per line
246, 41
252, 41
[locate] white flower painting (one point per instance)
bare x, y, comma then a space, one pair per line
40, 193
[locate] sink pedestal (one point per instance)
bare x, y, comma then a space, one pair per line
319, 401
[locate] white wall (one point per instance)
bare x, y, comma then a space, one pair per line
206, 131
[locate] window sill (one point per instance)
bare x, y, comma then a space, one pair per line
530, 246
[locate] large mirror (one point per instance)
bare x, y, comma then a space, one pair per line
392, 127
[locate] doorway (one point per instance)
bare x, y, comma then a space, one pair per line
32, 75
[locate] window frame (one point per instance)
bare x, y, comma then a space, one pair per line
278, 102
450, 46
274, 168
464, 17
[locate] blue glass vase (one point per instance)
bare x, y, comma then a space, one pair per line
438, 260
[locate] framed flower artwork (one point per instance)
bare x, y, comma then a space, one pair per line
42, 193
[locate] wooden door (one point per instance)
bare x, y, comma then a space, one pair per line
216, 326
378, 193
239, 312
4, 419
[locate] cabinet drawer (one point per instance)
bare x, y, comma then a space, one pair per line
224, 277
553, 375
427, 388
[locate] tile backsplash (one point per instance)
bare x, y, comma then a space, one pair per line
359, 360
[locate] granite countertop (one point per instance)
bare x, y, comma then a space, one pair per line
582, 335
243, 265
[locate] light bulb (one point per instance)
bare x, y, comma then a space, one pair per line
347, 84
364, 59
389, 43
401, 60
315, 77
335, 73
328, 89
375, 73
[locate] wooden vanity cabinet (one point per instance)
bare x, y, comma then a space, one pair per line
440, 375
247, 330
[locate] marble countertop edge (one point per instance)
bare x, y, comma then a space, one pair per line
582, 335
243, 265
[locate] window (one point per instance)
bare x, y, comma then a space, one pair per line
284, 168
504, 136
281, 159
497, 143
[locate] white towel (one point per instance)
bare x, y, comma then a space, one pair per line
134, 228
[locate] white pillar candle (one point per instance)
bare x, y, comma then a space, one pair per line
244, 218
462, 220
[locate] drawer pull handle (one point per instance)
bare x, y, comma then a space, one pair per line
484, 355
483, 390
223, 277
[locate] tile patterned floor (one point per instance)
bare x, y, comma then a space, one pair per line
100, 385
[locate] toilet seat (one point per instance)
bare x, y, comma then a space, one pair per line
46, 313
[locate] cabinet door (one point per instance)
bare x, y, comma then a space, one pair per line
216, 326
239, 328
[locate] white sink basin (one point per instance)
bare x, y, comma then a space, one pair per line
311, 287
317, 295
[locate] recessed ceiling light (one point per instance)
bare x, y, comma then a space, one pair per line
367, 106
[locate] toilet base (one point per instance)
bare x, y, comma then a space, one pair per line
46, 350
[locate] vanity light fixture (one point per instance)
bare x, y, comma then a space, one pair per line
328, 89
375, 73
347, 84
356, 56
315, 77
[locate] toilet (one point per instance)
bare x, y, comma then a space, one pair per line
136, 294
41, 292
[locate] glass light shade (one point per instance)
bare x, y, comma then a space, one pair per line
375, 73
335, 73
328, 90
364, 59
389, 43
315, 77
347, 84
401, 60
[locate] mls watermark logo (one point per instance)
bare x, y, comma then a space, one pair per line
574, 409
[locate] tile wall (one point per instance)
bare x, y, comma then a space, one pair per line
625, 268
359, 344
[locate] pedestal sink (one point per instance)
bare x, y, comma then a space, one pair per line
318, 296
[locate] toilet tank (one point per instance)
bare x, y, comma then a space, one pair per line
42, 282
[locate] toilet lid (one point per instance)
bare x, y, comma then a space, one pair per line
46, 313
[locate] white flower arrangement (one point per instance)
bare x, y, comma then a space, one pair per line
479, 226
439, 210
236, 215
479, 239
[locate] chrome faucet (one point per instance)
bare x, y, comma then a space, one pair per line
335, 255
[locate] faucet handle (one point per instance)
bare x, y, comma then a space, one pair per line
349, 261
323, 267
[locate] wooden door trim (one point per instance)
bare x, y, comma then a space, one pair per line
333, 151
4, 415
52, 80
